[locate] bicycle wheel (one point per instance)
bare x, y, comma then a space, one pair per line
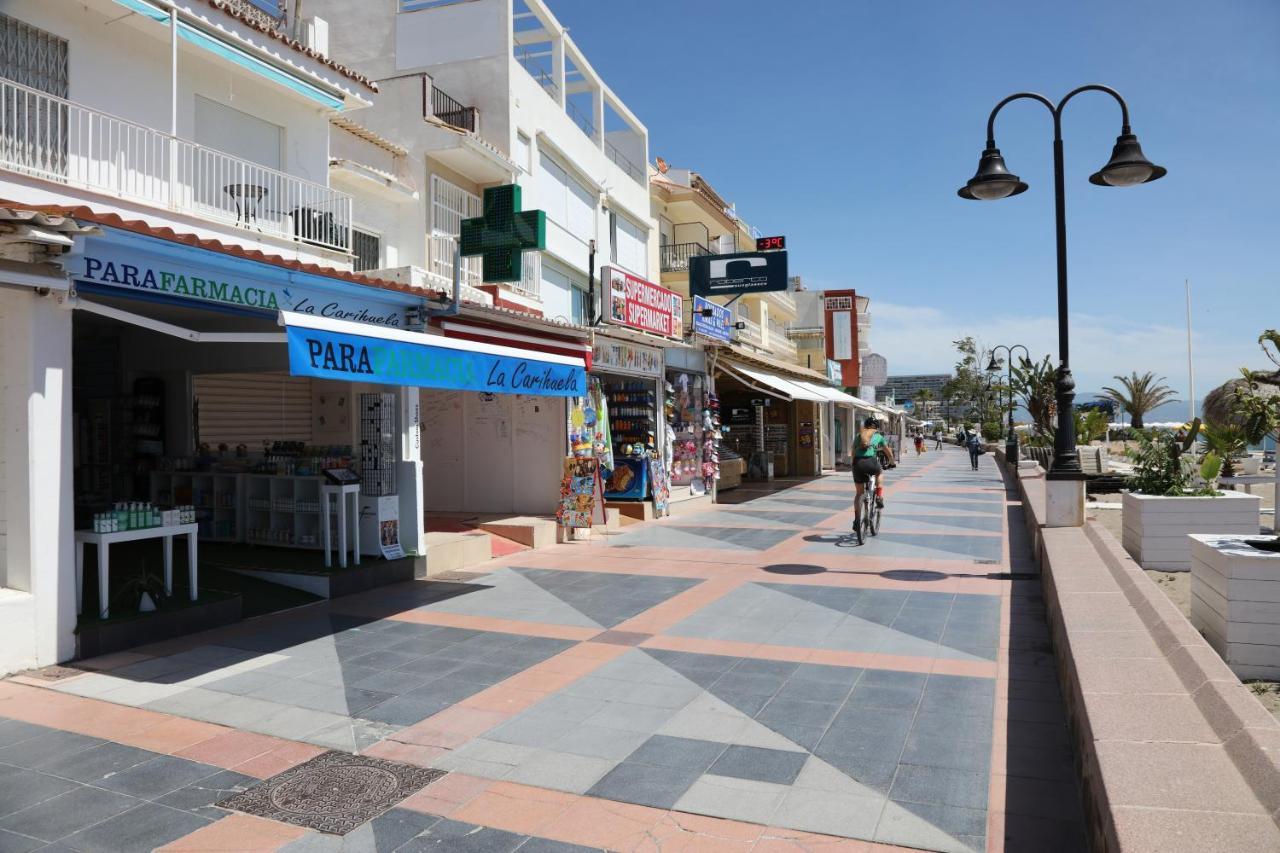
857, 528
873, 520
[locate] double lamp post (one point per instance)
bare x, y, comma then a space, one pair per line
1011, 437
1127, 167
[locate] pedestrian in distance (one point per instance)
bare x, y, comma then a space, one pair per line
974, 442
937, 438
919, 442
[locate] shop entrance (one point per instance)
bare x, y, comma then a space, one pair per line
182, 410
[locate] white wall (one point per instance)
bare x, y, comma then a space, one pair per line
491, 453
36, 377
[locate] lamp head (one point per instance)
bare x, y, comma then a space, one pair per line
993, 365
992, 181
1128, 166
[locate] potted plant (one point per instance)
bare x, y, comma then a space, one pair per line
1163, 504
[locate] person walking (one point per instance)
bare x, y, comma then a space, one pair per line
937, 438
974, 442
919, 442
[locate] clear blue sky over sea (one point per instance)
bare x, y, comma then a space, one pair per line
849, 125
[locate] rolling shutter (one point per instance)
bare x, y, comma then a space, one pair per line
248, 408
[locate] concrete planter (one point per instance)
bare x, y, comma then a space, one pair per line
1156, 527
1235, 602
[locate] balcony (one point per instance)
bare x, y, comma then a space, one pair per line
784, 300
453, 113
674, 257
58, 140
622, 162
782, 346
442, 248
749, 333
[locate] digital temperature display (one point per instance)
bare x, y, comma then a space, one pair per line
765, 244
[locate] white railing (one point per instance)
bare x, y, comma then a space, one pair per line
442, 248
783, 346
784, 299
58, 140
750, 331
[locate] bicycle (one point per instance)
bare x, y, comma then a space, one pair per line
868, 521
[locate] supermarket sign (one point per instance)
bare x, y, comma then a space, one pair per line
643, 305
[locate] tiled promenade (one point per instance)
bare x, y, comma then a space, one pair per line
743, 678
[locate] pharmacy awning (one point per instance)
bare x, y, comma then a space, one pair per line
362, 352
770, 383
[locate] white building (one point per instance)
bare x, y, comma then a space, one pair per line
165, 207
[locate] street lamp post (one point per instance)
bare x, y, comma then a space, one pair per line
1127, 167
1011, 437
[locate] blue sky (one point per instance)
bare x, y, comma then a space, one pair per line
848, 125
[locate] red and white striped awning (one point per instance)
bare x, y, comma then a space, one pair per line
526, 339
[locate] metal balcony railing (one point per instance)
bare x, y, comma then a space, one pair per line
58, 140
674, 257
580, 120
452, 112
634, 171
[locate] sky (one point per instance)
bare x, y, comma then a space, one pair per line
848, 126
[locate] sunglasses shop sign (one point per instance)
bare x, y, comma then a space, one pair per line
643, 305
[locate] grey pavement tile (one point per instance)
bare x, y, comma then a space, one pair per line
632, 718
933, 827
294, 723
677, 753
564, 706
404, 710
383, 659
815, 714
144, 827
761, 765
20, 789
805, 737
561, 771
967, 704
867, 770
762, 684
801, 690
826, 674
533, 730
458, 837
392, 681
900, 698
748, 703
645, 784
158, 777
485, 673
737, 799
944, 749
16, 731
91, 765
243, 683
447, 688
56, 818
829, 813
599, 742
199, 797
966, 726
752, 666
868, 732
42, 750
388, 831
12, 842
942, 786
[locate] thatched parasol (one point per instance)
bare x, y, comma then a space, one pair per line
1218, 402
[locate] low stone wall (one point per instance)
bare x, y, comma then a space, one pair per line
1174, 753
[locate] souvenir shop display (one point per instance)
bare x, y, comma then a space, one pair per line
685, 415
629, 480
711, 430
660, 487
578, 492
632, 424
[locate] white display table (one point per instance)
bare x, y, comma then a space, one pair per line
104, 541
342, 493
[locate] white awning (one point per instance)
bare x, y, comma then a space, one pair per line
829, 394
771, 383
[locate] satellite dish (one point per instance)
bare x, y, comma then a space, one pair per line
663, 166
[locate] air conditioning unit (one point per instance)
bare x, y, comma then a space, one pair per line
315, 34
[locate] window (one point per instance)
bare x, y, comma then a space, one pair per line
524, 152
581, 306
367, 250
237, 133
557, 279
567, 202
628, 244
450, 204
33, 57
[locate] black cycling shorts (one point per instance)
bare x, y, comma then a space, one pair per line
864, 467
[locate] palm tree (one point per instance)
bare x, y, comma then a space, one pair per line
1141, 394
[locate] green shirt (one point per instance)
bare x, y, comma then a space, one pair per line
871, 450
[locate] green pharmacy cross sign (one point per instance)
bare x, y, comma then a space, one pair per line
503, 234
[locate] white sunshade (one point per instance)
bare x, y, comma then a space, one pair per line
788, 389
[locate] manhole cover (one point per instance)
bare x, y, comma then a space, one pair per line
335, 792
53, 673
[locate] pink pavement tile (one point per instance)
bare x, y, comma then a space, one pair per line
278, 760
507, 700
448, 794
780, 840
516, 808
451, 727
237, 833
231, 749
593, 822
407, 753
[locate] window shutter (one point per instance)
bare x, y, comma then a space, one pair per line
247, 408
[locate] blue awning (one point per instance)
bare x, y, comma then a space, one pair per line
360, 352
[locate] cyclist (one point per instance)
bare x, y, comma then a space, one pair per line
868, 446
